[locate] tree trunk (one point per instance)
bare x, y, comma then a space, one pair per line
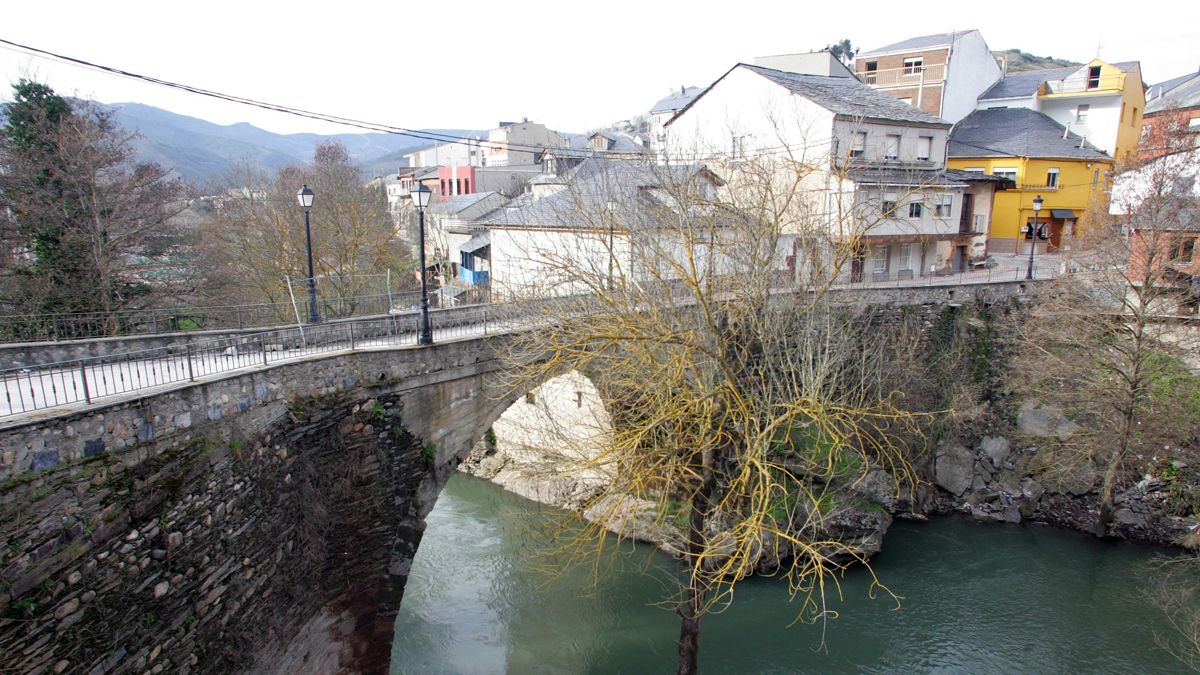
689, 632
1108, 487
691, 610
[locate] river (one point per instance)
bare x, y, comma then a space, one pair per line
978, 598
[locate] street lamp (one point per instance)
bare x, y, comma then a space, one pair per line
1033, 233
305, 197
420, 195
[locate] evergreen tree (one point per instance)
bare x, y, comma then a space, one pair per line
76, 211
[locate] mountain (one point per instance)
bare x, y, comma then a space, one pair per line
204, 152
1019, 61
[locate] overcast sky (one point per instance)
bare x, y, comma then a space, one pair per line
571, 64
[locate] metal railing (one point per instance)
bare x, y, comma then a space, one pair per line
86, 380
970, 274
81, 325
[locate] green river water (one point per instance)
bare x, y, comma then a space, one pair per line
978, 598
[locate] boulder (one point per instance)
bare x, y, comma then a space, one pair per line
1044, 421
996, 448
954, 468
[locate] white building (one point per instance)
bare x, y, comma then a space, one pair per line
874, 166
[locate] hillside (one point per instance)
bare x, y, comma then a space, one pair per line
1019, 61
203, 152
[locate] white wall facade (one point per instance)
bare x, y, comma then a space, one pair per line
538, 262
972, 71
1103, 117
447, 154
758, 116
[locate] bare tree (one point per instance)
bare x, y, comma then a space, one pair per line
748, 418
1103, 344
259, 241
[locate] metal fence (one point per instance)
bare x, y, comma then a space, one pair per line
89, 379
81, 325
967, 275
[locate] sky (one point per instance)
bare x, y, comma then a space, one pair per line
573, 65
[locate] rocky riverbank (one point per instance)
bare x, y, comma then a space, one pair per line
994, 478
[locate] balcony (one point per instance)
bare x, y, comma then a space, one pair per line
904, 77
473, 277
973, 224
1108, 84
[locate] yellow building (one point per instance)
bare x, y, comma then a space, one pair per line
1043, 159
1100, 101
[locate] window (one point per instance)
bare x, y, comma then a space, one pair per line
892, 150
1010, 174
1133, 117
905, 256
924, 147
1093, 80
738, 147
872, 66
945, 204
443, 185
579, 399
889, 204
1187, 248
914, 65
1095, 177
1081, 113
915, 209
974, 169
466, 186
907, 100
860, 144
879, 259
1052, 177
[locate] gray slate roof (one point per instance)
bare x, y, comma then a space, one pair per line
961, 176
1016, 132
676, 101
460, 202
922, 42
846, 96
900, 176
1156, 90
598, 186
1184, 94
1014, 85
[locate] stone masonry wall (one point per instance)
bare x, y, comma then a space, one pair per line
264, 522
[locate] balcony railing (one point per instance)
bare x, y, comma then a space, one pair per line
904, 77
1080, 85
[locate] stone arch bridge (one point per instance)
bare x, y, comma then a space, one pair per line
263, 520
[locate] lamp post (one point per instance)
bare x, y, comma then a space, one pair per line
420, 195
305, 197
1033, 233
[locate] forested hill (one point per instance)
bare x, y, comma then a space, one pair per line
203, 152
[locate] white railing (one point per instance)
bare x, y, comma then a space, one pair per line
904, 77
1079, 85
